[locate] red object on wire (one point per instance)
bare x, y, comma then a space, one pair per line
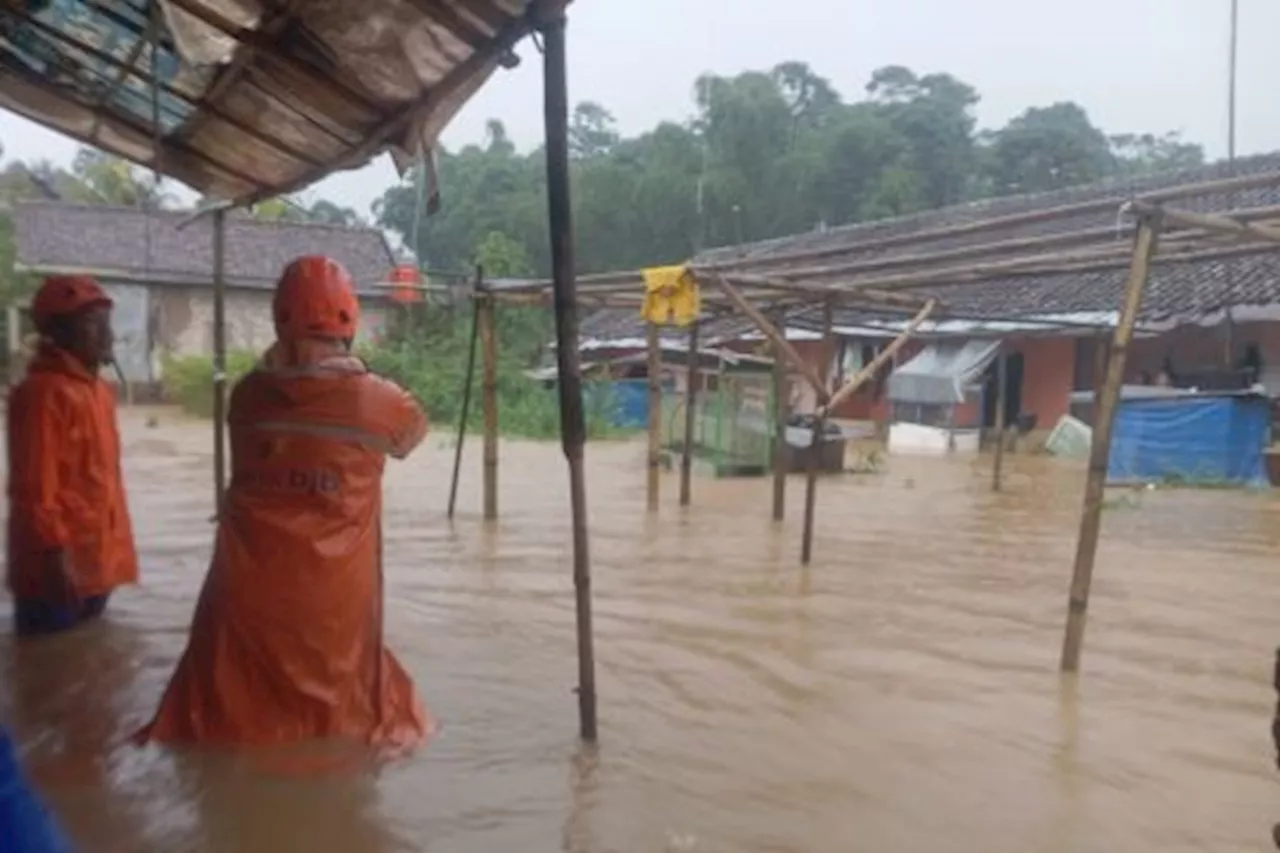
406, 281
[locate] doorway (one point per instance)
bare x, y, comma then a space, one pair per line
1012, 389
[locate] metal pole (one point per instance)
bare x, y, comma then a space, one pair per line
573, 429
219, 356
690, 417
1100, 451
1232, 51
466, 392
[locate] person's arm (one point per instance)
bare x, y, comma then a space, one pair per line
37, 424
405, 421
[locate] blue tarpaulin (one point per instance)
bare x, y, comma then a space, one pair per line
1206, 439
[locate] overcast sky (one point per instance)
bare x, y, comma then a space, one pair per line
1135, 65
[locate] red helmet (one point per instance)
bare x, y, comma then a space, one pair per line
62, 295
315, 298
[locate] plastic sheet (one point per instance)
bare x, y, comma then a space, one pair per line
1201, 440
941, 372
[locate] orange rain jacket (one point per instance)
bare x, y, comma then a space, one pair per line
66, 490
286, 644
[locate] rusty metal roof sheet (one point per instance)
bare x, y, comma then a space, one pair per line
251, 98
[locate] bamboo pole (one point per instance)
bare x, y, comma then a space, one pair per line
860, 378
573, 428
1221, 224
489, 400
1100, 450
690, 417
781, 405
777, 338
816, 433
468, 382
1002, 379
655, 417
219, 357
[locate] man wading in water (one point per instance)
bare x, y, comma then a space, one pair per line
286, 644
70, 538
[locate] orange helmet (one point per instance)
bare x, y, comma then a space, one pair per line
315, 298
62, 295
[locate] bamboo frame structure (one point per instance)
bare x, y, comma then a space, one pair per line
489, 401
654, 457
690, 417
1002, 379
781, 415
1144, 250
817, 430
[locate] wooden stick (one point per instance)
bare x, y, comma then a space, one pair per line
816, 443
690, 417
655, 417
777, 338
466, 396
489, 395
860, 378
781, 406
1224, 225
573, 429
1100, 451
219, 358
1002, 378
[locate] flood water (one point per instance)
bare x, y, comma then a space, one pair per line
901, 694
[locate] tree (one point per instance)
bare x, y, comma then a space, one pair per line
764, 154
1047, 148
592, 130
110, 180
1144, 153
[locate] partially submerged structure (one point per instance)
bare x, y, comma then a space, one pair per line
161, 274
254, 101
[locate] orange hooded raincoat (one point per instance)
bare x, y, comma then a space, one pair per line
66, 490
286, 644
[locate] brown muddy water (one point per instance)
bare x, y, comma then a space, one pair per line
899, 695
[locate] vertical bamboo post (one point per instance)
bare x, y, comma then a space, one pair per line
1100, 450
781, 405
816, 435
573, 428
468, 382
1002, 378
219, 356
690, 417
489, 394
655, 416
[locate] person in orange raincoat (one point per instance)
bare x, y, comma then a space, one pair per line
70, 538
287, 639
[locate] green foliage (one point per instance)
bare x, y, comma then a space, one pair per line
432, 363
188, 380
764, 154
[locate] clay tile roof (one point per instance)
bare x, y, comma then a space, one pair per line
126, 243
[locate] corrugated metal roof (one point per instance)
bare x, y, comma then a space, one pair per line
249, 99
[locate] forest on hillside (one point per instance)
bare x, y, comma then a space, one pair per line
763, 154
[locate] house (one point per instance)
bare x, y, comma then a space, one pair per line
158, 266
1049, 325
